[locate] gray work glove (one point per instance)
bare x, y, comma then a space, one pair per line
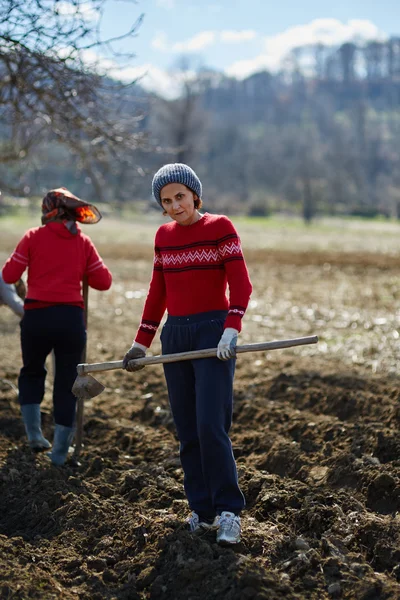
227, 344
136, 351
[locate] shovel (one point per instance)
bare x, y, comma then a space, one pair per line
86, 386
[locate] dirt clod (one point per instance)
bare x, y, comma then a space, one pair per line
315, 434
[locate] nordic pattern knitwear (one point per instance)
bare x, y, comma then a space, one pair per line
175, 173
193, 267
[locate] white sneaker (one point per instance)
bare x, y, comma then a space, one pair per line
198, 527
229, 528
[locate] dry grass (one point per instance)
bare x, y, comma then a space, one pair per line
339, 280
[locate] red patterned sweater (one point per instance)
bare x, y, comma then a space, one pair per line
57, 261
193, 265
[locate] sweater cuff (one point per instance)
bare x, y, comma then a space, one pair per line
234, 321
144, 338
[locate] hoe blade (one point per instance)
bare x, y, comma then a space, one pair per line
86, 387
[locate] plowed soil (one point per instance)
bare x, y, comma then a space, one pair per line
315, 434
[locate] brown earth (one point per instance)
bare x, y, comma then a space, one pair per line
315, 434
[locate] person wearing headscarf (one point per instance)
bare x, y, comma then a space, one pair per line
197, 258
58, 257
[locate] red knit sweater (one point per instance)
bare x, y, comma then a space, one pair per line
193, 265
57, 261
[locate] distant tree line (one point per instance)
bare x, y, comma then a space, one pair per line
321, 139
321, 136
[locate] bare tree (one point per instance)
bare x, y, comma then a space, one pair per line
53, 85
182, 120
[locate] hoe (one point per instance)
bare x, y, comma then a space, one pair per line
86, 386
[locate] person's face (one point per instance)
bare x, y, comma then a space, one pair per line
178, 202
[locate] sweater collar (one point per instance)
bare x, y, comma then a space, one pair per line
61, 230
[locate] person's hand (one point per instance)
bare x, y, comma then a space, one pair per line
20, 288
227, 344
136, 351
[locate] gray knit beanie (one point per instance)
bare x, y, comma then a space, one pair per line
175, 173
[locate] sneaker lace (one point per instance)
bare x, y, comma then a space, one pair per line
193, 521
229, 523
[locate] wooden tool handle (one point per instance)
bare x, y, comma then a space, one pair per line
80, 402
206, 353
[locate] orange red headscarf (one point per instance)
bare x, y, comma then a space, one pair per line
61, 205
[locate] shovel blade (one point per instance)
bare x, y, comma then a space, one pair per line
86, 387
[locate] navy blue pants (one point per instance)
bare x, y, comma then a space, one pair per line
201, 398
62, 329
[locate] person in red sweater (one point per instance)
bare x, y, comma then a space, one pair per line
58, 257
197, 257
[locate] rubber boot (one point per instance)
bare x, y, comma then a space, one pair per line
32, 422
62, 439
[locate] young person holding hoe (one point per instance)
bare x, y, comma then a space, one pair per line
197, 256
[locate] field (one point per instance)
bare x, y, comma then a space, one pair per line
315, 434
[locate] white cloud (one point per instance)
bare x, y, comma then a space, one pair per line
101, 64
85, 12
237, 36
196, 43
165, 83
202, 40
151, 78
330, 32
243, 68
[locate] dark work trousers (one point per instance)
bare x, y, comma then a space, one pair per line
201, 398
60, 328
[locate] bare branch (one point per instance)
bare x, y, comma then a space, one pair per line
47, 88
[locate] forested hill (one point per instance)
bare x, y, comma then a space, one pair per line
320, 136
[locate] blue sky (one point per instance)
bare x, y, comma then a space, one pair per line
239, 36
